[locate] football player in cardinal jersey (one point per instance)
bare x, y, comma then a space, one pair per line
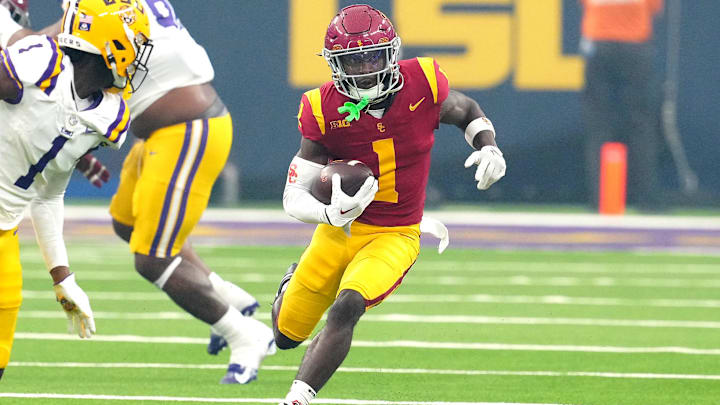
59, 99
381, 111
185, 134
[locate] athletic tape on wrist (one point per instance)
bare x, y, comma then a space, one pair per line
475, 127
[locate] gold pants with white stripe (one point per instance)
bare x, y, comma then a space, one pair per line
166, 182
10, 291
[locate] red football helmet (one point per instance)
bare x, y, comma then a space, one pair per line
18, 11
362, 49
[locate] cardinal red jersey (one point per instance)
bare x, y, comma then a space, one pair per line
396, 147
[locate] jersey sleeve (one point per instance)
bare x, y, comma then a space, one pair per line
437, 82
109, 119
443, 83
116, 131
436, 79
311, 121
35, 60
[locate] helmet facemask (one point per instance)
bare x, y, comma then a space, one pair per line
368, 71
135, 72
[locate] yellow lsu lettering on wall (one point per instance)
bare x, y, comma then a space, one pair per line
525, 43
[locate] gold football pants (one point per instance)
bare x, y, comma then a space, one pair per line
10, 291
166, 182
373, 262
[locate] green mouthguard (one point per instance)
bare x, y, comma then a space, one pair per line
353, 110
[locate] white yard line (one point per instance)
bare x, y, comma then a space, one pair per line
409, 318
393, 344
101, 295
422, 298
241, 400
124, 260
539, 373
518, 280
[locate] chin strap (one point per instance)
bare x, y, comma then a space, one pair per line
353, 110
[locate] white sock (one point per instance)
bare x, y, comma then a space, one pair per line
8, 27
232, 294
247, 337
300, 392
218, 284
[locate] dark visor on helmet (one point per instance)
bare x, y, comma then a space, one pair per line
363, 60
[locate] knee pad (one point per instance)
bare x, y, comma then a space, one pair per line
156, 271
167, 273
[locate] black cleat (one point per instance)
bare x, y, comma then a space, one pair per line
285, 280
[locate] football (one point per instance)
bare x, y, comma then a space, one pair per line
352, 172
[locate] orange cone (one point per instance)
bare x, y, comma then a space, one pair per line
613, 178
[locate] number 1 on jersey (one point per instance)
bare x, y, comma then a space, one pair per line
385, 150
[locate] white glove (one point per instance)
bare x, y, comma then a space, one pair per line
76, 305
491, 165
343, 209
436, 229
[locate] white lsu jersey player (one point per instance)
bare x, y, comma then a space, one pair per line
47, 128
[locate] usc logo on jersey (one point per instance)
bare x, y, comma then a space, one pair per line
292, 174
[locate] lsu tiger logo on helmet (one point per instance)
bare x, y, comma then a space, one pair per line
118, 30
128, 15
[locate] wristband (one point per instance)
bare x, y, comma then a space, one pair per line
475, 127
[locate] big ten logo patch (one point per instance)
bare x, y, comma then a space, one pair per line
339, 124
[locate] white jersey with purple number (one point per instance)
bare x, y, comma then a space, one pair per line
47, 128
176, 60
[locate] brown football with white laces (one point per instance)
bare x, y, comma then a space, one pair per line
353, 174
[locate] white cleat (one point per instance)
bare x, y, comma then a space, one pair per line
237, 374
245, 360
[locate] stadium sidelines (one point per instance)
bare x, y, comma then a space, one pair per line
74, 212
468, 229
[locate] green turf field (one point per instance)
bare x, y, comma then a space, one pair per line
467, 326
